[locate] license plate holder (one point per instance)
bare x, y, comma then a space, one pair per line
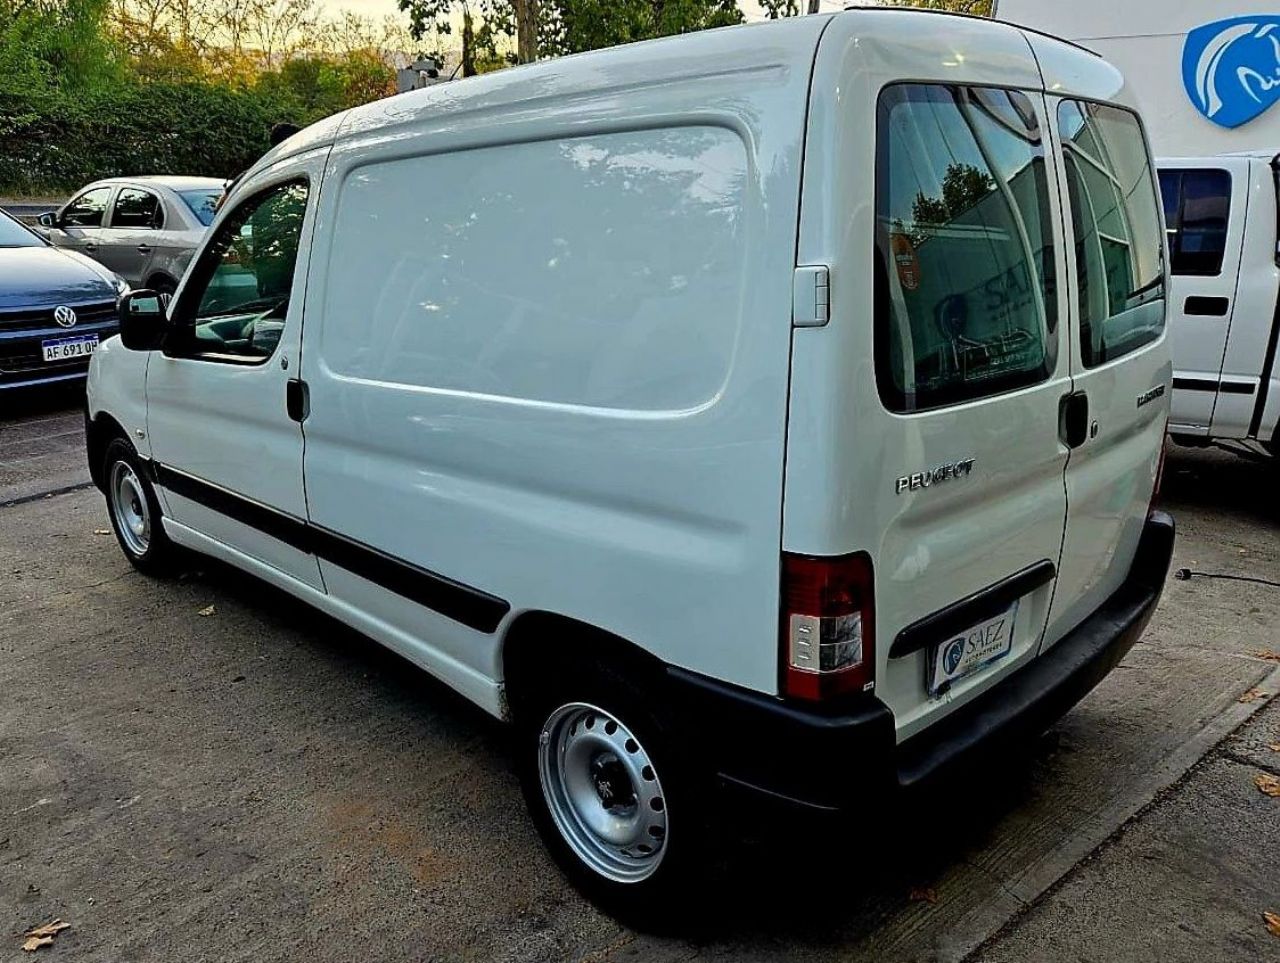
970, 651
65, 349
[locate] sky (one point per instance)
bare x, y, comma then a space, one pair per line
378, 8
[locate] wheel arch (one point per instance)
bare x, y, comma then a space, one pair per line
156, 276
538, 643
99, 432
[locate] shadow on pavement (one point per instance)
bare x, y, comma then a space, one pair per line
1223, 481
781, 878
19, 404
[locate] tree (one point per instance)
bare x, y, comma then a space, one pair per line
542, 27
790, 8
577, 25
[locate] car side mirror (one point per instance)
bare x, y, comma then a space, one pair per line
144, 322
48, 219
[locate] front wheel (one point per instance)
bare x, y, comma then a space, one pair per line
134, 509
610, 797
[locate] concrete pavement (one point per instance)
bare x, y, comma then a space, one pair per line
261, 783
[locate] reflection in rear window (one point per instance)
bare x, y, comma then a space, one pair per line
1116, 222
203, 204
964, 299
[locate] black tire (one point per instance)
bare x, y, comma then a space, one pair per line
125, 477
164, 286
658, 901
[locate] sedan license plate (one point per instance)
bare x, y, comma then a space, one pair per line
62, 349
971, 650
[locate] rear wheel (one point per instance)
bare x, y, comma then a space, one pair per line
134, 509
614, 802
164, 286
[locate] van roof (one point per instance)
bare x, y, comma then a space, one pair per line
558, 83
976, 16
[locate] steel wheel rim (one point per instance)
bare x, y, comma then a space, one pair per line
603, 792
129, 508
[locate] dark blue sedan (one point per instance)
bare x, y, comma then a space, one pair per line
55, 307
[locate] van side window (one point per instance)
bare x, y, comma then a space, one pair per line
1116, 218
1196, 205
240, 288
965, 302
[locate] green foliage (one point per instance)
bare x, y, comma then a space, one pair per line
578, 25
54, 139
76, 105
564, 26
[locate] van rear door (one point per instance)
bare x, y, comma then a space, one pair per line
1204, 212
1114, 421
924, 415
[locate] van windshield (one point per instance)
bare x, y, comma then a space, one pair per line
964, 300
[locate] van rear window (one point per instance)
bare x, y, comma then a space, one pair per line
964, 293
1116, 223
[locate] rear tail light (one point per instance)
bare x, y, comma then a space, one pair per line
828, 626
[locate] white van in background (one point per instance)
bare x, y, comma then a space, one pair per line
1224, 290
770, 413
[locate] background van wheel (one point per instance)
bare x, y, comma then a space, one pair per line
612, 800
133, 509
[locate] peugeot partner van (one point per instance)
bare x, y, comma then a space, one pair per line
766, 414
1224, 294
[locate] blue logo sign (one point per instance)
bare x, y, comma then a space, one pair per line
1231, 68
951, 657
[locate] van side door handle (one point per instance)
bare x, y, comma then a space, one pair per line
1073, 419
144, 248
297, 399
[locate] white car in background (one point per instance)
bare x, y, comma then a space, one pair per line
143, 228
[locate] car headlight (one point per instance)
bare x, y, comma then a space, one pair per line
120, 284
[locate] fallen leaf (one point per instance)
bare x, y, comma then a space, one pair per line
1274, 746
1273, 922
1253, 695
923, 894
49, 929
208, 610
1268, 784
34, 943
102, 531
1267, 654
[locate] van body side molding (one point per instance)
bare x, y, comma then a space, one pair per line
472, 607
981, 605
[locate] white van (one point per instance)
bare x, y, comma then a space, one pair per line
1224, 266
771, 413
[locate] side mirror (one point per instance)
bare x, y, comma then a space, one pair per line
144, 322
48, 219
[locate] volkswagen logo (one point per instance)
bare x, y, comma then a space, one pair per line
64, 316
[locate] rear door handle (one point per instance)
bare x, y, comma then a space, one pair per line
1073, 419
297, 399
144, 248
91, 246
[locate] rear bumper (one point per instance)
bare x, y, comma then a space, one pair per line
830, 759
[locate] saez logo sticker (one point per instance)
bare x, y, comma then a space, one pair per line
1231, 68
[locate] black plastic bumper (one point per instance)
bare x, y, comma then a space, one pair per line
833, 758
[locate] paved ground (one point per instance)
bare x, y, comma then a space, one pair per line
260, 783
